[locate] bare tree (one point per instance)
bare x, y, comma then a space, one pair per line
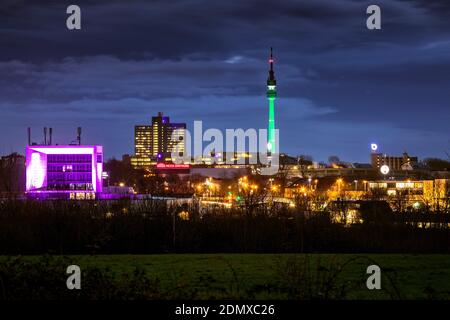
254, 193
333, 160
400, 200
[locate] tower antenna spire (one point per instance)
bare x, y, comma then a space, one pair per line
271, 80
271, 96
271, 58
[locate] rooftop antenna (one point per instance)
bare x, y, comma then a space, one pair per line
50, 136
79, 135
29, 136
45, 135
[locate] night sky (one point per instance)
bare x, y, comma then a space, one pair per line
340, 85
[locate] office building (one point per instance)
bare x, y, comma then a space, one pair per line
434, 193
12, 175
158, 141
405, 162
64, 172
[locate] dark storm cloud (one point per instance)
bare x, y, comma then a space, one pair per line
203, 59
177, 28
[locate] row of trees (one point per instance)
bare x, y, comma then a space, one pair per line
28, 227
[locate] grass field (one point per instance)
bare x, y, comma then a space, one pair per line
283, 276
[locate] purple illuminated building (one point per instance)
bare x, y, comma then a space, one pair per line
64, 172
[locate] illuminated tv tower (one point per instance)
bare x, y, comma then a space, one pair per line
271, 95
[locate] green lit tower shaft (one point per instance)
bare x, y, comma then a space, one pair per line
271, 95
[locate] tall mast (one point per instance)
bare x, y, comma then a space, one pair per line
271, 96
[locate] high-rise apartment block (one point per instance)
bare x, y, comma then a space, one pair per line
158, 142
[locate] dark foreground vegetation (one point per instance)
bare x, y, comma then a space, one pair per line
147, 227
225, 276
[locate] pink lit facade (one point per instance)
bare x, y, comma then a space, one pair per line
64, 172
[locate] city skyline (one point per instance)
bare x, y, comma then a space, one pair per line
340, 86
224, 159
